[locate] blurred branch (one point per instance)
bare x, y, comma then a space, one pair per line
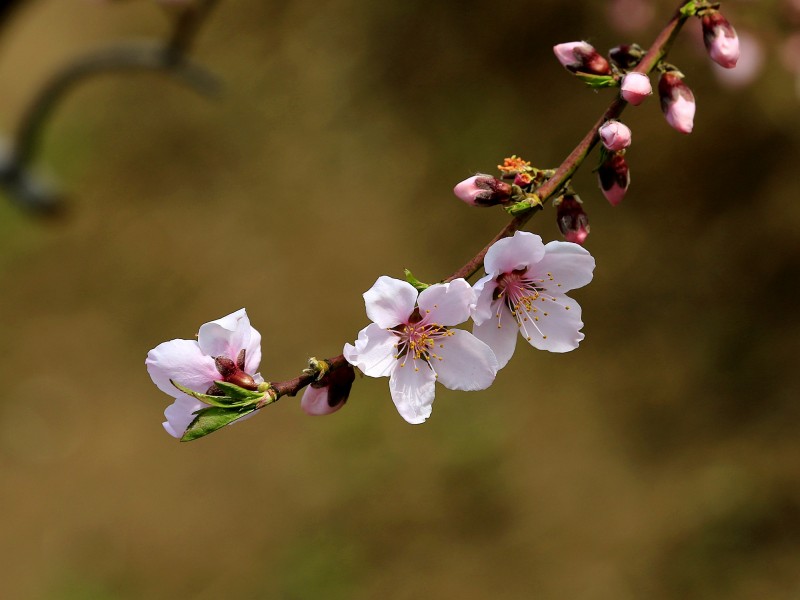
29, 189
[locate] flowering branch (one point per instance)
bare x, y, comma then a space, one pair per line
412, 338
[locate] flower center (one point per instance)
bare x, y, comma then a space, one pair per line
418, 340
518, 290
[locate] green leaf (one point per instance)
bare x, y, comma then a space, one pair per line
689, 9
416, 282
208, 420
237, 397
597, 81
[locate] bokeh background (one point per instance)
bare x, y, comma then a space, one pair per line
660, 460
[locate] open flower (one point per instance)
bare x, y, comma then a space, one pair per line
411, 342
227, 349
524, 290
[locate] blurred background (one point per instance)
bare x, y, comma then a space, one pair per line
660, 460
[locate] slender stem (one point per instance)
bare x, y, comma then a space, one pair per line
186, 27
657, 51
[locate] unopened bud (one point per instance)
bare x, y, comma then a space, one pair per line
677, 101
626, 56
614, 177
572, 220
231, 373
636, 87
581, 57
483, 190
330, 393
720, 39
615, 135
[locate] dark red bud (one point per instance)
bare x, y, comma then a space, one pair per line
572, 220
615, 178
231, 373
339, 383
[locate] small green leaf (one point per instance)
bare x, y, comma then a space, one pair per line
208, 420
416, 282
236, 396
689, 9
597, 81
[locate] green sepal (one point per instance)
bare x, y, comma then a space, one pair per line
236, 396
415, 282
208, 420
689, 9
597, 81
531, 202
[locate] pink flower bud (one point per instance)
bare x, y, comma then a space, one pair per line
581, 57
483, 190
636, 87
328, 395
572, 220
677, 101
720, 39
614, 177
615, 135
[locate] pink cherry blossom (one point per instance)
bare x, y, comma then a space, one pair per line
525, 291
411, 341
227, 349
615, 135
636, 87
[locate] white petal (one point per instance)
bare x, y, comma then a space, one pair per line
463, 362
412, 388
374, 352
315, 402
484, 293
390, 301
502, 340
554, 325
183, 362
179, 415
516, 252
226, 336
447, 303
571, 266
252, 358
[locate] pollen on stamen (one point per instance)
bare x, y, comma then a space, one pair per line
566, 308
544, 337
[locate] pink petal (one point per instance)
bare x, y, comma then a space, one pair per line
502, 340
447, 303
183, 362
516, 252
484, 292
315, 402
463, 362
412, 389
571, 266
390, 302
179, 415
554, 326
226, 336
374, 352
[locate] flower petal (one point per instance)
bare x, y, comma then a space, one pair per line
554, 325
447, 303
464, 362
315, 402
516, 252
484, 293
252, 357
374, 352
412, 388
571, 267
501, 339
226, 336
390, 301
179, 415
183, 362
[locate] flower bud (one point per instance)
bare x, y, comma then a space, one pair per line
615, 135
614, 177
626, 56
231, 373
572, 220
581, 57
483, 190
636, 87
720, 39
677, 101
330, 393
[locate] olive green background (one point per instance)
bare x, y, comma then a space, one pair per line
660, 460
